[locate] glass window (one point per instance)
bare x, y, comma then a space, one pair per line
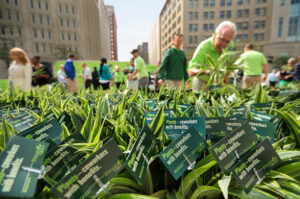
263, 11
44, 48
48, 20
190, 39
205, 27
211, 15
293, 26
255, 25
7, 1
49, 35
244, 37
239, 13
196, 3
212, 3
16, 2
33, 18
222, 3
68, 23
282, 3
67, 9
257, 1
74, 24
191, 15
191, 3
229, 2
257, 12
211, 26
246, 13
295, 2
31, 4
42, 34
36, 48
3, 30
246, 2
191, 27
280, 24
34, 33
61, 22
73, 10
196, 27
205, 15
41, 19
18, 16
39, 5
11, 31
238, 38
69, 36
20, 32
240, 2
222, 14
245, 25
46, 6
261, 37
60, 8
75, 37
228, 14
205, 3
255, 37
239, 26
196, 16
262, 24
264, 1
9, 15
63, 36
195, 39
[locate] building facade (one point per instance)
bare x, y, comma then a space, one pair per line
285, 34
113, 33
41, 27
143, 51
273, 26
154, 44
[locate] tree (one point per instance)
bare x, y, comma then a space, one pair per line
61, 52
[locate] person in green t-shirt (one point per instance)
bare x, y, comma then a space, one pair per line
173, 69
119, 77
252, 62
214, 46
140, 71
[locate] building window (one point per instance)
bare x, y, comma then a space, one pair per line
282, 3
228, 14
61, 22
34, 33
262, 24
222, 3
191, 27
37, 48
33, 18
196, 16
75, 37
239, 13
18, 16
246, 2
31, 4
196, 3
48, 21
39, 5
211, 26
195, 39
9, 15
240, 2
191, 3
257, 1
73, 10
245, 25
205, 27
255, 37
205, 15
74, 24
280, 24
238, 37
11, 31
49, 35
265, 1
239, 26
229, 2
16, 2
196, 27
42, 34
68, 23
191, 15
44, 48
190, 39
41, 19
46, 6
255, 25
257, 11
293, 26
7, 1
60, 8
244, 37
3, 30
205, 3
67, 9
62, 36
261, 37
211, 15
212, 3
295, 2
246, 13
69, 36
222, 14
20, 32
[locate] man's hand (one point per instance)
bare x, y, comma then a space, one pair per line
264, 78
187, 84
130, 77
193, 72
161, 82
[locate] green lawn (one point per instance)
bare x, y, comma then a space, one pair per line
3, 84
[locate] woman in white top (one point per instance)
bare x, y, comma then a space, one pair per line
20, 70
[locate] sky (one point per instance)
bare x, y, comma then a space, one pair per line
135, 20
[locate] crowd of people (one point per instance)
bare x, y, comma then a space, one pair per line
174, 70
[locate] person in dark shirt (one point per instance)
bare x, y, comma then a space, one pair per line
95, 78
41, 74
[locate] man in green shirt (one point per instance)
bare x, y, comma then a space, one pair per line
252, 62
173, 69
140, 71
214, 46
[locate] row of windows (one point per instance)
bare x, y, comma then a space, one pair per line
211, 3
15, 2
11, 31
43, 48
43, 34
42, 20
10, 15
68, 36
39, 5
65, 9
66, 23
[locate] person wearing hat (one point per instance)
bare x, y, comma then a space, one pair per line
140, 71
119, 76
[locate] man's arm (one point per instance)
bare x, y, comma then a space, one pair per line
266, 71
162, 69
197, 61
